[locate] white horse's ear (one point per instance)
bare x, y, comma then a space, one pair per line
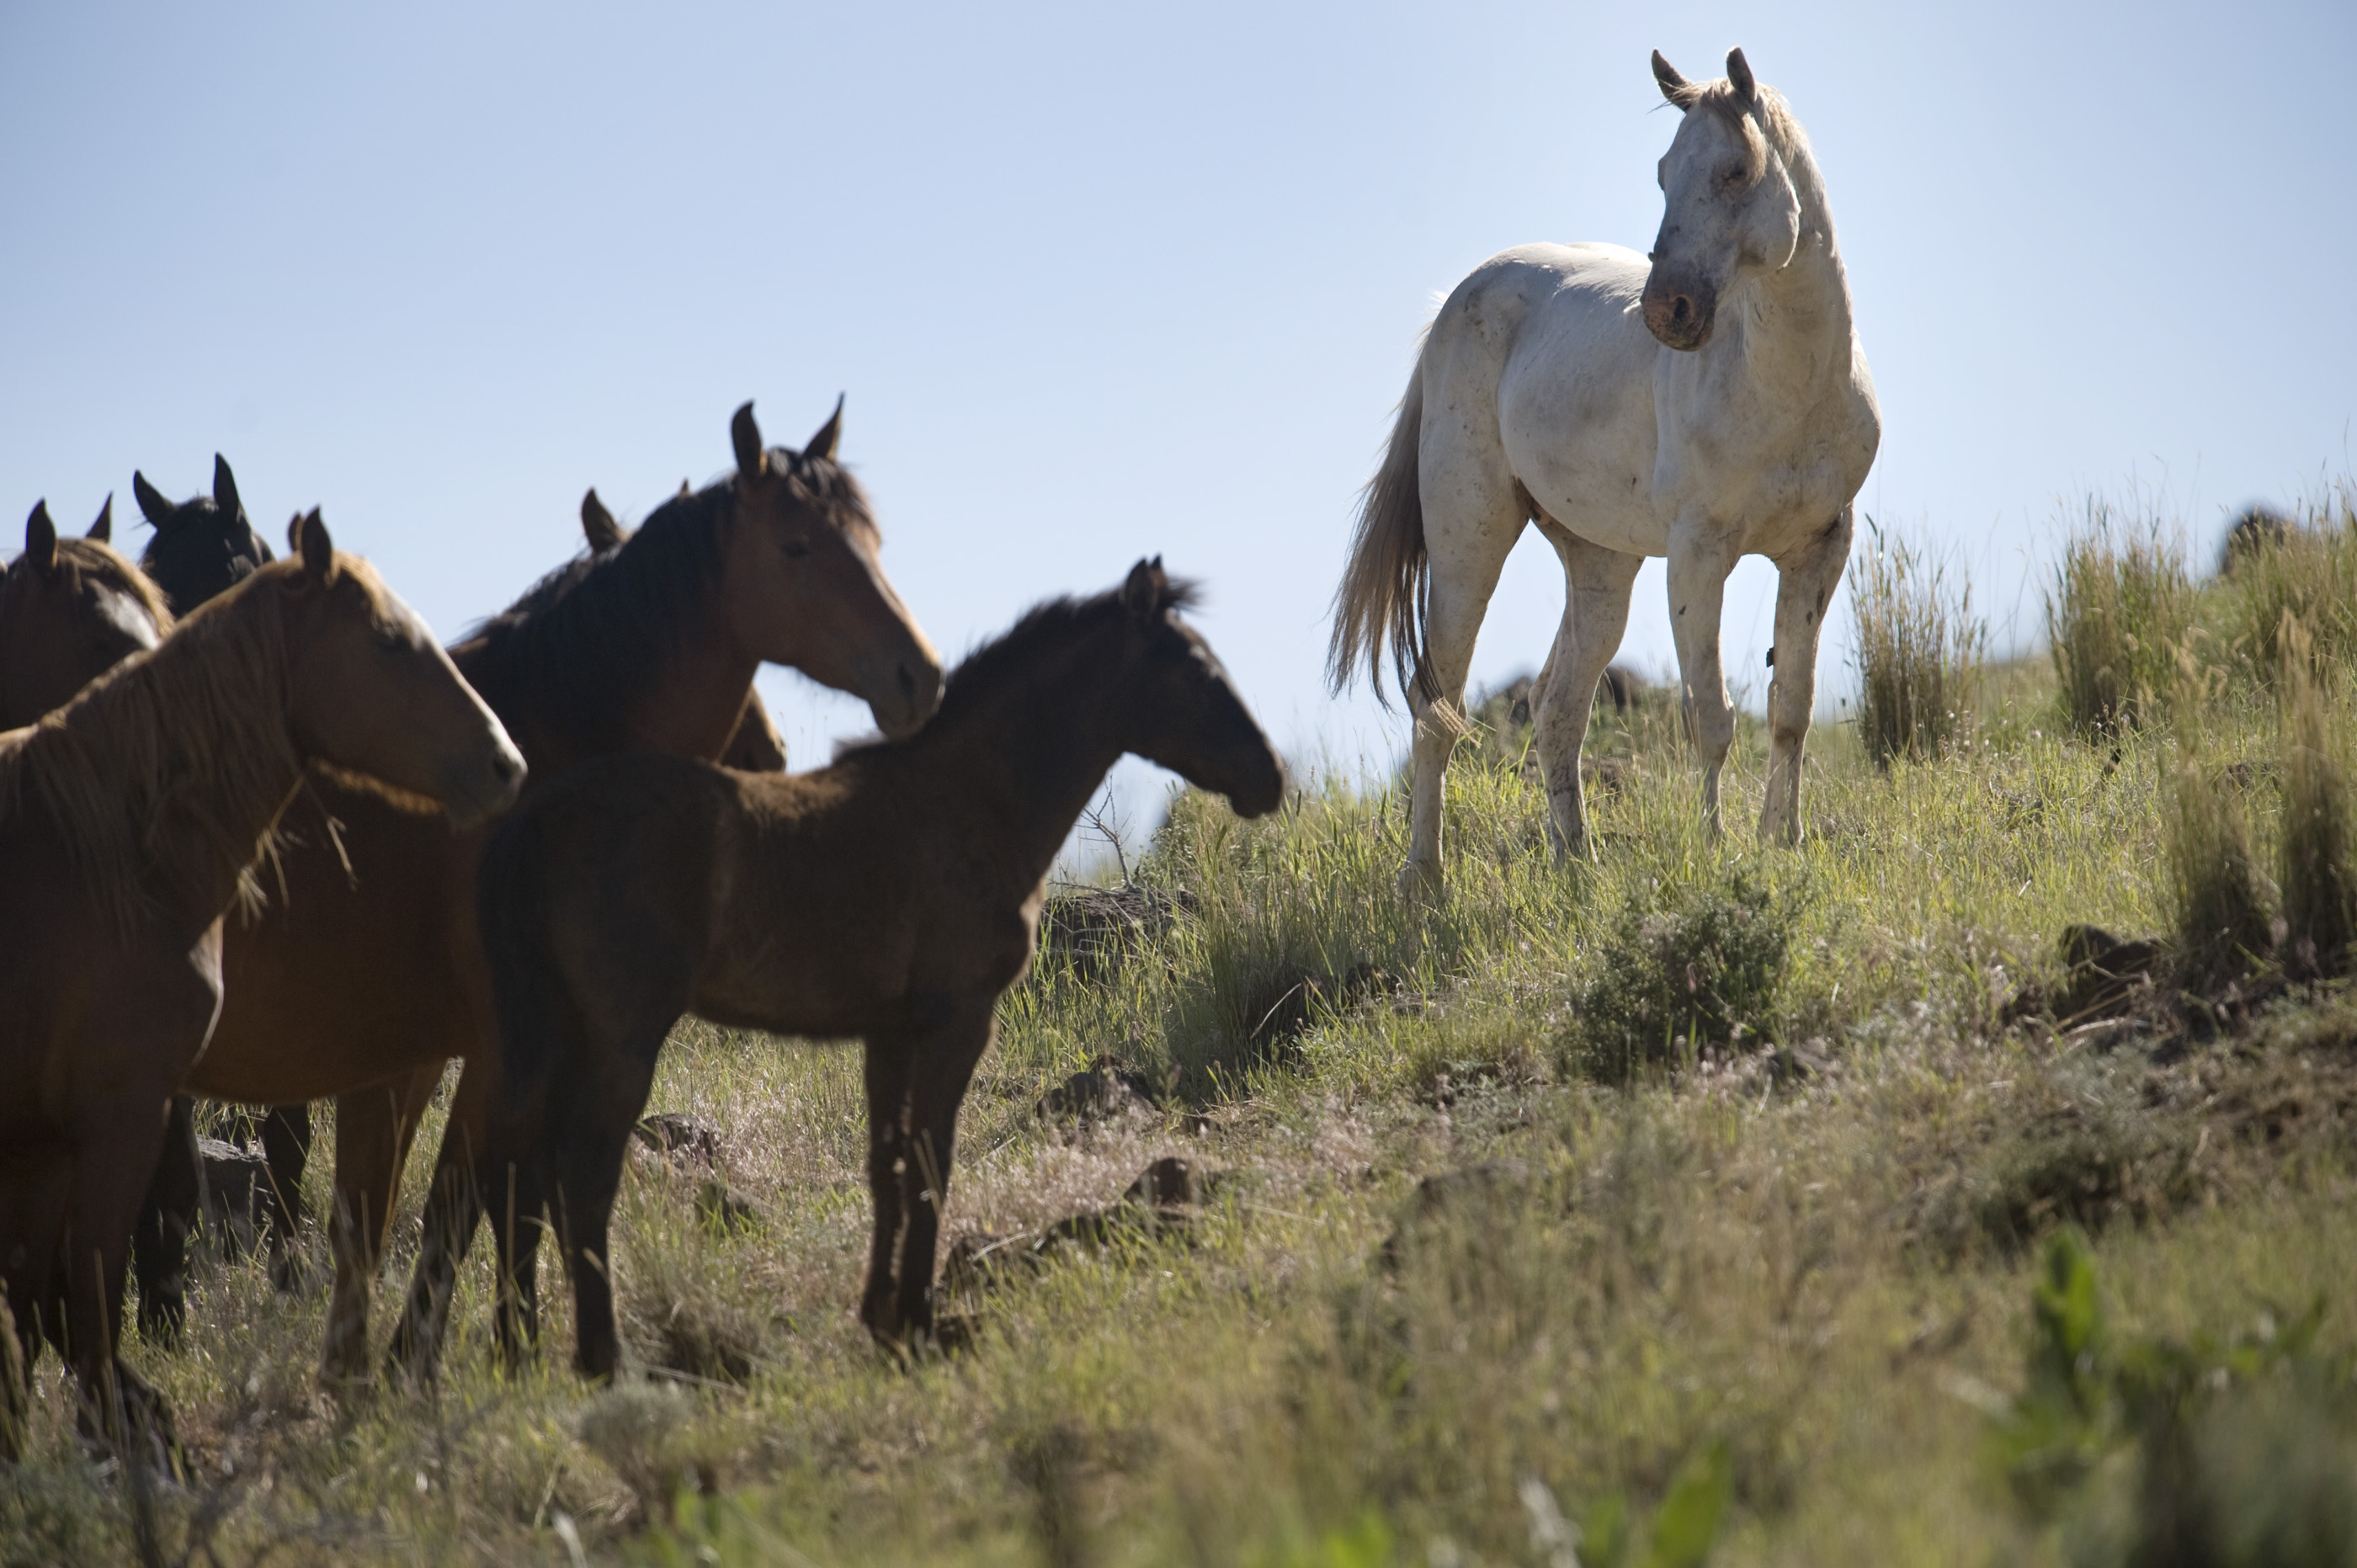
1739, 75
1674, 87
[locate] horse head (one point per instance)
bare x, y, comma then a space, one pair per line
71, 609
1729, 206
1185, 713
202, 545
373, 697
804, 586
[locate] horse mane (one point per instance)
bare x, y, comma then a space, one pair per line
157, 771
997, 660
90, 558
575, 645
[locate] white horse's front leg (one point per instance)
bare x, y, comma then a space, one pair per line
1804, 585
1595, 584
1699, 563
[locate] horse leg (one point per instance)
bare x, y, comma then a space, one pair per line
1699, 564
287, 1144
1595, 586
464, 1169
1472, 517
1804, 583
597, 1140
374, 1128
167, 1217
888, 1058
115, 1159
942, 1069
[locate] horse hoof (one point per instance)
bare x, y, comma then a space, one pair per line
1419, 879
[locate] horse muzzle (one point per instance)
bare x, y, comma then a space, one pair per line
907, 697
1680, 317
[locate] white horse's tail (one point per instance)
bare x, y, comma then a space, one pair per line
1388, 583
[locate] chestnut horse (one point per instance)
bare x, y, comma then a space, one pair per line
71, 609
365, 977
894, 896
130, 820
200, 546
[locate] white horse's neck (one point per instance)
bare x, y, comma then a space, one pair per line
1794, 324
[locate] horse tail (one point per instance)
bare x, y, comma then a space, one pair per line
528, 988
1387, 586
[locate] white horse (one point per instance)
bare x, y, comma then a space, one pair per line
1711, 404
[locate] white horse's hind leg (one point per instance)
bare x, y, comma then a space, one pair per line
1596, 585
1804, 585
1453, 620
1699, 567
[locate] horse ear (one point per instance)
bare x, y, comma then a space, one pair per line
752, 457
686, 489
225, 487
829, 435
598, 524
308, 535
41, 538
1674, 87
152, 504
1738, 72
103, 528
1141, 592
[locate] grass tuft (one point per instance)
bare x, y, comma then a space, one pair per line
1694, 970
2119, 607
1920, 650
2317, 857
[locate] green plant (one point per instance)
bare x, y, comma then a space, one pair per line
1696, 969
2302, 575
2316, 856
2218, 892
2118, 610
1920, 650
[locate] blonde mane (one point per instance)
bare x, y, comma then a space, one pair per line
155, 776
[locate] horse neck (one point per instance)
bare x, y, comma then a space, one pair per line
1020, 761
1795, 327
165, 775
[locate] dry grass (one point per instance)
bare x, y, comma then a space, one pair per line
1920, 650
2117, 612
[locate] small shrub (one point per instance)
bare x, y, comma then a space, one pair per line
2119, 607
2316, 858
1695, 973
1920, 651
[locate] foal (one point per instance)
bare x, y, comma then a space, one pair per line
130, 821
894, 896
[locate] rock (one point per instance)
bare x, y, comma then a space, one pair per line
718, 1204
1170, 1181
679, 1138
239, 1199
1099, 1091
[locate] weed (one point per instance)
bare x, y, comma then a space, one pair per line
1920, 650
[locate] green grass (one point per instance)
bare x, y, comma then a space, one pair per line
1517, 1234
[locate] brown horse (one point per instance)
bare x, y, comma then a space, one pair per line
365, 977
130, 820
894, 896
71, 609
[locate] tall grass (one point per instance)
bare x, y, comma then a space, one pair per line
2218, 891
2118, 608
1920, 650
2317, 861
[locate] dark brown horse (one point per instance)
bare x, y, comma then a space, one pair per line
71, 609
130, 821
894, 896
365, 977
201, 546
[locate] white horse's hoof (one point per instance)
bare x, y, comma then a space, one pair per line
1418, 879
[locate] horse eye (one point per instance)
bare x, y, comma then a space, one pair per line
797, 548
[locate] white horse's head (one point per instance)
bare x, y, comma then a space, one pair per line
1729, 207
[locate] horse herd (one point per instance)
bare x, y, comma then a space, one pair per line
239, 858
285, 848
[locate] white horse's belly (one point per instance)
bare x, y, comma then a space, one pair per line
1575, 404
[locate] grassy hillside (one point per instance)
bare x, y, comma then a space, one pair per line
1705, 1202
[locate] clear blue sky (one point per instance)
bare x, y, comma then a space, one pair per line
1104, 281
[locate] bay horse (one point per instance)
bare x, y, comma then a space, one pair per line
1704, 403
131, 820
193, 539
362, 977
71, 609
894, 896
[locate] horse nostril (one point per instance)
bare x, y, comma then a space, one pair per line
1681, 309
